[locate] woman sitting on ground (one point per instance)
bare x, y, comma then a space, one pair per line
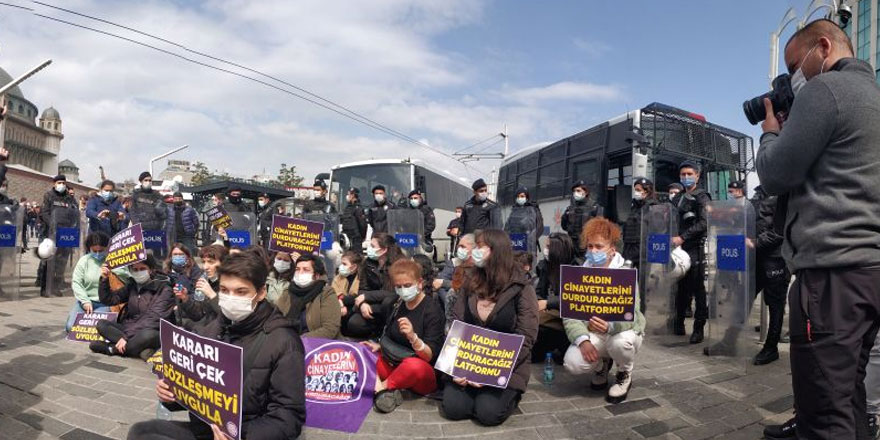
86, 276
497, 296
558, 251
595, 341
280, 275
374, 302
310, 303
346, 282
411, 342
147, 297
181, 267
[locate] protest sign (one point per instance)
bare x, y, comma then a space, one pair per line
295, 235
85, 327
126, 247
205, 376
340, 378
480, 355
585, 292
155, 361
218, 217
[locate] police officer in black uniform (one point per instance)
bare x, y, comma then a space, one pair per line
56, 198
479, 212
416, 201
578, 213
354, 221
264, 217
149, 203
376, 213
772, 275
319, 204
234, 201
691, 204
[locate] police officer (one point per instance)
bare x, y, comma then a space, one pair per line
479, 212
264, 215
736, 190
674, 189
56, 198
525, 208
691, 204
376, 213
354, 221
416, 201
148, 204
4, 156
578, 213
643, 195
235, 202
319, 203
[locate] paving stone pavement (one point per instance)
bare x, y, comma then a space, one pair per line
51, 388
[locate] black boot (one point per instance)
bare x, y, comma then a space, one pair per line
783, 431
697, 335
678, 327
767, 354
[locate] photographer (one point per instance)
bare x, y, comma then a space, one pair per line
826, 161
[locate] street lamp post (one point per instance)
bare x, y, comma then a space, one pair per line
789, 17
816, 5
165, 155
7, 87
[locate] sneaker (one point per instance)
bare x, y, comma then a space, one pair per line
600, 377
617, 393
387, 401
873, 427
781, 432
720, 348
101, 347
766, 355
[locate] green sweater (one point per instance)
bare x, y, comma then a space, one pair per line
86, 276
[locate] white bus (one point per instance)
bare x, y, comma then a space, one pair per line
443, 190
650, 142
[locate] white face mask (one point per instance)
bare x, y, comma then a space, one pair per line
457, 215
798, 80
60, 187
281, 265
303, 280
373, 253
546, 252
344, 270
380, 198
407, 294
141, 276
147, 185
638, 195
579, 196
482, 196
479, 255
521, 201
461, 254
262, 203
236, 308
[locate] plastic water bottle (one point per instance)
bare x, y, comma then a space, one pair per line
162, 413
198, 295
549, 372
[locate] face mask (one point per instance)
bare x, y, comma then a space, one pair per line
798, 80
344, 270
688, 182
236, 308
141, 276
303, 280
281, 266
106, 195
579, 196
546, 252
461, 254
234, 199
638, 195
60, 188
596, 258
407, 294
414, 203
99, 256
380, 198
479, 256
178, 260
482, 196
147, 185
521, 201
180, 203
262, 203
373, 253
457, 215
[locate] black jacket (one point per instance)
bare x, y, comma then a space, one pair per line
354, 222
480, 215
202, 317
52, 201
532, 212
632, 230
546, 288
692, 223
430, 222
144, 305
316, 206
265, 220
768, 243
148, 209
576, 215
377, 216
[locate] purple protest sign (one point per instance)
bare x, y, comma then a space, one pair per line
126, 247
295, 235
205, 376
480, 355
340, 381
85, 327
218, 217
608, 294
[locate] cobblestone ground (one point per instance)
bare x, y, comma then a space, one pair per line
51, 388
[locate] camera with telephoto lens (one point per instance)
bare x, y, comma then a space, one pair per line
781, 96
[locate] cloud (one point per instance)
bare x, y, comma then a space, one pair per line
592, 48
565, 91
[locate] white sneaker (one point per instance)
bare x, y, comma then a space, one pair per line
600, 377
617, 393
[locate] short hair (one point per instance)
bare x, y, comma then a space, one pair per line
470, 238
107, 182
245, 265
214, 251
406, 267
602, 227
317, 263
524, 258
97, 238
262, 253
816, 29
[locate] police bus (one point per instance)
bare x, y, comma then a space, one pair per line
443, 190
650, 142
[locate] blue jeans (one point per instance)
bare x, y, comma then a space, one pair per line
77, 308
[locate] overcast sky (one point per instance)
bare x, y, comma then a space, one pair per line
448, 72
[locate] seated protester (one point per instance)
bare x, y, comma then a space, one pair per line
596, 340
201, 316
411, 341
551, 334
280, 276
273, 394
525, 260
428, 274
310, 303
181, 267
346, 282
148, 298
86, 276
374, 302
444, 284
495, 295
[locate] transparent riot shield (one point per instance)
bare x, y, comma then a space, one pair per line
151, 215
731, 282
11, 217
408, 228
64, 228
243, 231
658, 274
521, 227
331, 251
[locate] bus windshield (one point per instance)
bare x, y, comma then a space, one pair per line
395, 177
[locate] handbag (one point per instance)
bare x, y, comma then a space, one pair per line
393, 352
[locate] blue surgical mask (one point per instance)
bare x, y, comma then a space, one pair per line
688, 182
106, 195
521, 201
461, 253
373, 253
99, 256
178, 260
596, 258
407, 293
344, 270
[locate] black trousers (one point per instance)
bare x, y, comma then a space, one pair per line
487, 405
113, 331
835, 315
772, 278
693, 285
548, 341
168, 430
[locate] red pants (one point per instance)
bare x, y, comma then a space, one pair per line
412, 374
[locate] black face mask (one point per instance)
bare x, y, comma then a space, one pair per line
178, 203
235, 199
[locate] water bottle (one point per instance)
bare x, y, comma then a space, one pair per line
198, 295
162, 413
549, 373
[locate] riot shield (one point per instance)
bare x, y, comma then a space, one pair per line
149, 215
658, 273
64, 228
731, 282
408, 228
521, 227
330, 253
243, 231
11, 217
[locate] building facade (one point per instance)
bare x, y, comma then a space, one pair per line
863, 30
33, 143
182, 168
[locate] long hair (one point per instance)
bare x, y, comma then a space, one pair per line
562, 251
287, 275
499, 270
392, 250
189, 258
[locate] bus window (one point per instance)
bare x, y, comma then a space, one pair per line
586, 169
394, 177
